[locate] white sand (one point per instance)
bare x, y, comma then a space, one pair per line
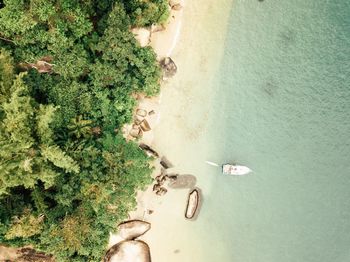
181, 117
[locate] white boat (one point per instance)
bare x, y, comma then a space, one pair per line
193, 203
235, 170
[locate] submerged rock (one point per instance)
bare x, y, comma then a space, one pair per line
183, 181
132, 229
129, 251
172, 177
169, 67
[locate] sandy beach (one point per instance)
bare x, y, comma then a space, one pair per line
176, 124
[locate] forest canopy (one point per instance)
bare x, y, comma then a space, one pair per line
68, 74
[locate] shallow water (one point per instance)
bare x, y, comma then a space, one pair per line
277, 100
284, 97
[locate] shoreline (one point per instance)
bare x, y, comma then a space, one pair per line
163, 43
184, 109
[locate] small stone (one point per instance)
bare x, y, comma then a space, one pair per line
176, 7
161, 191
172, 177
152, 112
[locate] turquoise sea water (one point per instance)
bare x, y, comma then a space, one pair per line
281, 107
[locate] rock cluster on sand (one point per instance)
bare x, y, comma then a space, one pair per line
130, 249
140, 124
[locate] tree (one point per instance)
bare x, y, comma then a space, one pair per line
66, 176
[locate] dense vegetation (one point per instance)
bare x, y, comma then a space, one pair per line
69, 70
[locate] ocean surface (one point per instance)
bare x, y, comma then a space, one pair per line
280, 104
283, 108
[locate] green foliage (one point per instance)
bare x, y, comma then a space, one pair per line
147, 12
26, 226
66, 177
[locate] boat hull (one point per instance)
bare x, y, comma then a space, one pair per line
193, 204
235, 170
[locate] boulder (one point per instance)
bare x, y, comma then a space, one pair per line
172, 177
156, 187
161, 179
183, 181
129, 251
149, 151
145, 126
165, 163
136, 132
161, 191
141, 112
132, 229
169, 67
138, 119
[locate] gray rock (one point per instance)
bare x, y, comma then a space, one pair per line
172, 177
141, 112
150, 151
145, 126
129, 251
169, 67
156, 187
161, 179
161, 191
183, 181
132, 229
136, 132
166, 163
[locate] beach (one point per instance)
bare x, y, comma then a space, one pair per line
182, 111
